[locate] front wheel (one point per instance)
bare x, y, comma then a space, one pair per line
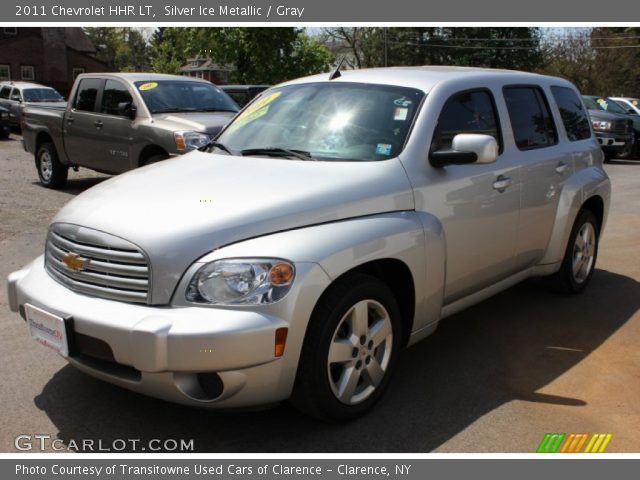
51, 172
350, 348
580, 257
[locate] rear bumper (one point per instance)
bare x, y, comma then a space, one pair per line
164, 351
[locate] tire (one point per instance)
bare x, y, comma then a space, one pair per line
628, 150
583, 244
51, 172
346, 388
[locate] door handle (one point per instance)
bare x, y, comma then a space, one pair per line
502, 183
98, 124
561, 168
70, 119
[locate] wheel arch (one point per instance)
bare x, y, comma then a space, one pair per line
149, 151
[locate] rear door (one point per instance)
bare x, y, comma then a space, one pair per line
82, 128
546, 164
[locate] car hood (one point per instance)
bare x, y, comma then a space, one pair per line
209, 122
601, 114
180, 209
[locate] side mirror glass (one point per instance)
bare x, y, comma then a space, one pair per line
127, 109
467, 148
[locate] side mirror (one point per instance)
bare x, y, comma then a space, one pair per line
467, 148
127, 109
632, 111
16, 99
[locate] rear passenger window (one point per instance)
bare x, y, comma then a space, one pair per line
530, 116
572, 112
466, 112
87, 95
114, 94
4, 93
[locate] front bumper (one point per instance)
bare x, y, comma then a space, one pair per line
612, 142
162, 351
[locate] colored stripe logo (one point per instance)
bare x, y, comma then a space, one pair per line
574, 443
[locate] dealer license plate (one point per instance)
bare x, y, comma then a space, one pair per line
47, 329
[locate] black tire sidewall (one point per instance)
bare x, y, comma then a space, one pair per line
584, 216
313, 393
59, 172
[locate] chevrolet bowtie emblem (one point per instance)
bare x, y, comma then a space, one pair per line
75, 262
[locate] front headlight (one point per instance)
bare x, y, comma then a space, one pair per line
241, 281
602, 125
187, 141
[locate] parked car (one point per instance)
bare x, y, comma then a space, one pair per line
116, 122
14, 96
335, 221
615, 131
5, 125
243, 94
632, 105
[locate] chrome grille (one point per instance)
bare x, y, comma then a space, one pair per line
622, 127
111, 267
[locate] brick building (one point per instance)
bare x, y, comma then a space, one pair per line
53, 56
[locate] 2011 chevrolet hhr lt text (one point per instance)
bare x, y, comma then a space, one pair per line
333, 222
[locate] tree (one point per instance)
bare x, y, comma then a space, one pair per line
121, 49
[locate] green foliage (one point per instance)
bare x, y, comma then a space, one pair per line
259, 55
121, 49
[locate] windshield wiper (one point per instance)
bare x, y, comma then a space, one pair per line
278, 151
216, 110
215, 144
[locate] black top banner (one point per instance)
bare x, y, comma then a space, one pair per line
306, 11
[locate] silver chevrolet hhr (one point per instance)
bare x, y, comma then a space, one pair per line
336, 220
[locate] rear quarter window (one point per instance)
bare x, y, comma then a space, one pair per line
574, 117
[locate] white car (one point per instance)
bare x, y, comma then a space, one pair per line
631, 104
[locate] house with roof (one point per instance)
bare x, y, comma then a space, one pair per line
52, 56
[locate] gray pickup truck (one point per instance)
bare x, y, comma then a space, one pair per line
120, 121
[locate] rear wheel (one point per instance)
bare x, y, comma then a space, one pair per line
51, 172
580, 257
350, 349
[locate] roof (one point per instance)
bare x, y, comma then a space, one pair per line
23, 84
78, 40
424, 77
206, 65
143, 76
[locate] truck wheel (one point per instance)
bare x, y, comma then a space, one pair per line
52, 173
580, 257
158, 157
350, 349
627, 151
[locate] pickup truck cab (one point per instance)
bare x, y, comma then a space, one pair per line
120, 121
336, 220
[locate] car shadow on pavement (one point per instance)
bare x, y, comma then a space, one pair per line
76, 186
504, 349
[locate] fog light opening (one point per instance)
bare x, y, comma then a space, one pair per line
211, 384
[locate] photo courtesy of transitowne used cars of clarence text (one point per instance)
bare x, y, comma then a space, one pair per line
332, 223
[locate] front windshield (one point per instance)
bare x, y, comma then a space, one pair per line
327, 121
169, 96
41, 95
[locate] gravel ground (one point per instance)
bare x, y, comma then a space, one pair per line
494, 378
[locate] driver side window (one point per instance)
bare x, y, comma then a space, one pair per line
472, 111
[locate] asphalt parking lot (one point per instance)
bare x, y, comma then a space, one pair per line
494, 378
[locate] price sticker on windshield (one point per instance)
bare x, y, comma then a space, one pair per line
147, 86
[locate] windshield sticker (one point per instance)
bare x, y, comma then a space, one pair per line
383, 149
147, 86
402, 102
254, 111
400, 114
